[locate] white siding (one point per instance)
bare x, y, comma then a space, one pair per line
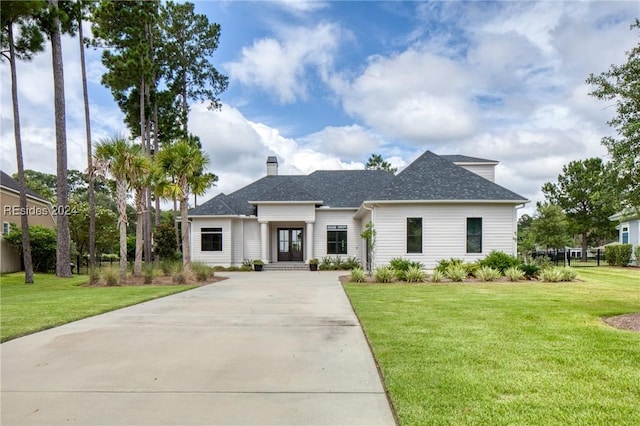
487, 171
212, 257
251, 239
337, 217
444, 230
286, 212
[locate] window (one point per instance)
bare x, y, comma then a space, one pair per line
625, 235
211, 239
6, 227
474, 235
414, 235
336, 239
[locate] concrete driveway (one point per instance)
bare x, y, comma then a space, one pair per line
271, 348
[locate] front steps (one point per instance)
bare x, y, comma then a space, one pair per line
285, 266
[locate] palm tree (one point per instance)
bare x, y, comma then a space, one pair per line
184, 162
138, 176
116, 157
30, 41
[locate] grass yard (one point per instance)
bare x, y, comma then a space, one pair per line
55, 301
505, 353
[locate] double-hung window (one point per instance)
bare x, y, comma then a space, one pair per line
336, 239
625, 235
211, 239
474, 235
414, 235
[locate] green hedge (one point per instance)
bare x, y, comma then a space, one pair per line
618, 255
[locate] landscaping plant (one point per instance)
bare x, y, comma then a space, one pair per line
456, 272
383, 274
358, 275
437, 276
487, 273
514, 273
499, 260
415, 274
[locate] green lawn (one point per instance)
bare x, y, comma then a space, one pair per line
507, 354
55, 301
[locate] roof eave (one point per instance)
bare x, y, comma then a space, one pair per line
316, 202
519, 201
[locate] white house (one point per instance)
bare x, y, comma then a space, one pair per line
628, 227
438, 207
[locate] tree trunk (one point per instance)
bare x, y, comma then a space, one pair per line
87, 125
137, 264
584, 246
121, 197
186, 250
156, 148
24, 218
63, 245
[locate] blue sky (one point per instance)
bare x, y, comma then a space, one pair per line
322, 85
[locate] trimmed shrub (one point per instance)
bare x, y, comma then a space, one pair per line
437, 276
624, 254
415, 274
514, 273
487, 273
551, 275
618, 255
358, 275
499, 261
456, 272
383, 274
637, 252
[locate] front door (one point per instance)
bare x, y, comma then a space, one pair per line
290, 244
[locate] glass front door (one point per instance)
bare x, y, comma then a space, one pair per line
290, 244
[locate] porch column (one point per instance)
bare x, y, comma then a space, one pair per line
264, 241
309, 252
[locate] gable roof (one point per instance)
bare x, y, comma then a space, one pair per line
12, 185
431, 177
428, 178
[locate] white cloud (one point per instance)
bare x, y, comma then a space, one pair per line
415, 95
348, 142
281, 66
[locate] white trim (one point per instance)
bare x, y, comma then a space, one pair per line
286, 202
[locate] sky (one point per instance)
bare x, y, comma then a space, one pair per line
323, 85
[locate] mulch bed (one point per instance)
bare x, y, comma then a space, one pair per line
625, 322
161, 280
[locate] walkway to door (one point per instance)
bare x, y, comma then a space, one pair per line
257, 349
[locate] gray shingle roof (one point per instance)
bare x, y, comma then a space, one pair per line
430, 177
12, 184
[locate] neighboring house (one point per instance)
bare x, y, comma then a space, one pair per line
438, 207
628, 227
39, 210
